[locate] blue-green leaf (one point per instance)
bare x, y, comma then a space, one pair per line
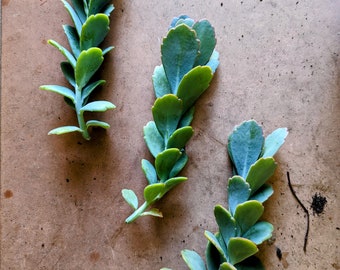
108, 9
149, 171
74, 16
180, 137
65, 129
179, 52
96, 123
172, 182
96, 6
238, 192
260, 172
165, 161
160, 82
94, 30
68, 72
214, 241
193, 260
167, 112
247, 214
193, 84
88, 63
206, 34
108, 49
130, 197
187, 117
153, 192
263, 193
226, 223
179, 165
240, 248
64, 91
153, 212
98, 106
251, 263
73, 39
79, 9
245, 145
259, 232
153, 139
70, 58
213, 257
89, 89
274, 141
214, 62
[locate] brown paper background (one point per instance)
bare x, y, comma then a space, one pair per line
61, 206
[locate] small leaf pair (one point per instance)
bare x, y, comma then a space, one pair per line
91, 25
240, 230
188, 64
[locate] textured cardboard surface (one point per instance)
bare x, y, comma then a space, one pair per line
61, 206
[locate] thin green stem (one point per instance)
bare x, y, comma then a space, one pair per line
137, 213
80, 114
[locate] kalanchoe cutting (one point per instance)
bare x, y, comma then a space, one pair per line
189, 61
240, 230
91, 25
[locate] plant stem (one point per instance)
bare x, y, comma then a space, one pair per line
80, 115
137, 213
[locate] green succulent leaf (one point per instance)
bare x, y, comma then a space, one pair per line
180, 137
240, 248
165, 161
213, 257
193, 260
96, 6
273, 142
98, 106
172, 182
68, 72
179, 165
96, 123
206, 34
108, 9
88, 63
263, 193
214, 62
153, 192
70, 103
89, 89
247, 214
70, 58
259, 232
260, 172
160, 82
214, 241
90, 34
251, 263
64, 91
65, 129
238, 192
153, 138
187, 117
78, 6
227, 266
149, 171
167, 112
73, 39
153, 212
179, 52
245, 146
193, 84
108, 49
74, 16
226, 223
130, 197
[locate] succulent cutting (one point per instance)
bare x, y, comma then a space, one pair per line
189, 60
240, 228
91, 26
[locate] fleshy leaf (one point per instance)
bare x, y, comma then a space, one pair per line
98, 106
227, 266
263, 193
240, 248
187, 117
193, 84
172, 182
96, 6
64, 91
73, 39
74, 16
88, 63
259, 232
226, 223
180, 137
94, 30
78, 6
130, 197
89, 89
247, 214
68, 72
251, 263
245, 146
214, 62
149, 171
151, 192
65, 129
214, 241
238, 192
260, 172
153, 212
160, 82
181, 162
213, 257
274, 141
165, 161
70, 58
193, 260
179, 52
153, 138
206, 34
96, 123
167, 112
